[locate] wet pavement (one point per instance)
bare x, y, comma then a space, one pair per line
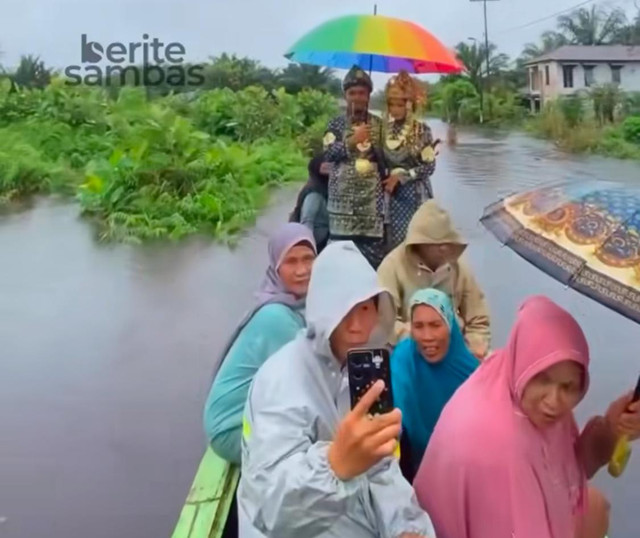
106, 352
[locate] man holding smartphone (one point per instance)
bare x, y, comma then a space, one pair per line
311, 465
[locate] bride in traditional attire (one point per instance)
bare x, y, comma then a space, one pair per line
409, 154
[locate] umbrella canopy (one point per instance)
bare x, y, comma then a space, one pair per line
374, 42
585, 235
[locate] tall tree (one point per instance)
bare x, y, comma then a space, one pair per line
474, 59
296, 77
549, 41
230, 71
630, 33
31, 73
593, 26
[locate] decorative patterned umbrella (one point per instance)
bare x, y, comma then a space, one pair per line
585, 235
374, 43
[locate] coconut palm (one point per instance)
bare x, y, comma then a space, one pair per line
629, 34
549, 41
297, 77
593, 26
31, 73
474, 59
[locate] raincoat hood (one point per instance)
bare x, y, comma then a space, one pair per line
432, 225
340, 279
295, 405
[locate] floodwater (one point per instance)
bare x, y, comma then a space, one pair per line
106, 352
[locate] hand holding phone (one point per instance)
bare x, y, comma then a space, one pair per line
361, 439
365, 367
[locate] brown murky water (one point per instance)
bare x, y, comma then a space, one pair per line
106, 352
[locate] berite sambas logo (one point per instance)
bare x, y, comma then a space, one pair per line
148, 63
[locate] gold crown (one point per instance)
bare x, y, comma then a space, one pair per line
403, 86
395, 92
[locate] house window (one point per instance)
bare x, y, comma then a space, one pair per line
546, 75
616, 74
567, 76
588, 75
534, 73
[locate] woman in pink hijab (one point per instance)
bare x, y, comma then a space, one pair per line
506, 459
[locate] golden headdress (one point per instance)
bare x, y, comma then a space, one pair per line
404, 86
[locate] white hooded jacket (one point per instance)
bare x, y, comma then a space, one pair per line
297, 399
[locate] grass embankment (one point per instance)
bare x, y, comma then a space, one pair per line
566, 124
161, 168
603, 120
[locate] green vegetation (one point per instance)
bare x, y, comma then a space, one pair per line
603, 120
165, 167
168, 161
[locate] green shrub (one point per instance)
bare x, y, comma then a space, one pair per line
166, 167
631, 129
572, 108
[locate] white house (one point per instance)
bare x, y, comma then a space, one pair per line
573, 68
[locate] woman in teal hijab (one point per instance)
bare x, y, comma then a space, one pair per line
427, 368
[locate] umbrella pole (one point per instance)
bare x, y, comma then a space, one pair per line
375, 12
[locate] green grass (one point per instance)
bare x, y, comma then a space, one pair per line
582, 135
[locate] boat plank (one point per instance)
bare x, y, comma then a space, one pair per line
210, 478
185, 521
205, 511
204, 522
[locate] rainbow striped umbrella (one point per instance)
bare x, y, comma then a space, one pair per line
374, 42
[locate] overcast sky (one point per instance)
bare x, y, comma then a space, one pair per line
261, 29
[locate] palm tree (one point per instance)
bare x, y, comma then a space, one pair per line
230, 71
594, 26
31, 73
549, 41
297, 77
474, 59
630, 33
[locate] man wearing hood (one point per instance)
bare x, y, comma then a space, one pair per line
311, 466
429, 257
352, 143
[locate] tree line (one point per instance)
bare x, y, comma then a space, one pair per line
596, 25
457, 97
223, 71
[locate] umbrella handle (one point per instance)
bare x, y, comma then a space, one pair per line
622, 452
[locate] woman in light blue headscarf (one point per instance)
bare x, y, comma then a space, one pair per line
427, 368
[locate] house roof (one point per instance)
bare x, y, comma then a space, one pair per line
591, 53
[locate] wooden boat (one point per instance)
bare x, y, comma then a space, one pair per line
205, 511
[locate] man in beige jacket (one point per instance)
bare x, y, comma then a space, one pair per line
430, 258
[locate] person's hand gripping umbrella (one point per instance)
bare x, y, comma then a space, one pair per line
622, 451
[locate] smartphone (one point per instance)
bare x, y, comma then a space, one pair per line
365, 366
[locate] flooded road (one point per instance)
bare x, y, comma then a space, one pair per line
106, 352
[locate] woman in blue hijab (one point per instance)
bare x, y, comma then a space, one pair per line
427, 368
